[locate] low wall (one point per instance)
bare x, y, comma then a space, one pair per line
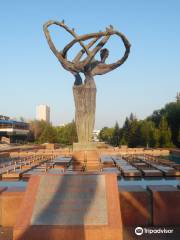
128, 151
10, 148
108, 151
10, 202
4, 154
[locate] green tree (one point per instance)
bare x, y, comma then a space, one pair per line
156, 117
36, 128
67, 134
125, 131
165, 133
149, 135
123, 141
106, 134
161, 129
48, 134
134, 139
129, 132
116, 135
172, 111
154, 137
178, 138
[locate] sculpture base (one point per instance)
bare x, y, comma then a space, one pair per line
84, 146
70, 206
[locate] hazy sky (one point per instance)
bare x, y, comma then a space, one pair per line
30, 74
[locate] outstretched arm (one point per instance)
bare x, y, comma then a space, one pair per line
76, 65
109, 31
80, 54
66, 64
96, 49
81, 64
105, 68
49, 40
83, 38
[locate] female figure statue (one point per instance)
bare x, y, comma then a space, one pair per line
85, 91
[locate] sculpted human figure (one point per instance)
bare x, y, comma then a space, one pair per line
85, 91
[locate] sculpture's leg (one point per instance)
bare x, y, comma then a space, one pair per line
85, 107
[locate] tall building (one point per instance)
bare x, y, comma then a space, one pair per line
43, 113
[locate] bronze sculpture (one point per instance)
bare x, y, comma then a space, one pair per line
85, 92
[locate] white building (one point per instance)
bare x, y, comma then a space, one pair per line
43, 113
95, 135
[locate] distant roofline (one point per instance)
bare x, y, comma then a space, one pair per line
13, 122
2, 117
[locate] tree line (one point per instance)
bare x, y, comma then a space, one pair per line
43, 132
161, 129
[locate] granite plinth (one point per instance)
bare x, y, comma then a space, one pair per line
10, 201
84, 146
80, 206
135, 206
71, 197
166, 208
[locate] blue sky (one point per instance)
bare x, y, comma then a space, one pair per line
30, 74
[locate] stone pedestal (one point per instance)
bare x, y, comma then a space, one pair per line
81, 206
135, 206
166, 208
84, 146
10, 202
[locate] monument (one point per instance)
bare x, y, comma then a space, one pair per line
85, 91
78, 205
